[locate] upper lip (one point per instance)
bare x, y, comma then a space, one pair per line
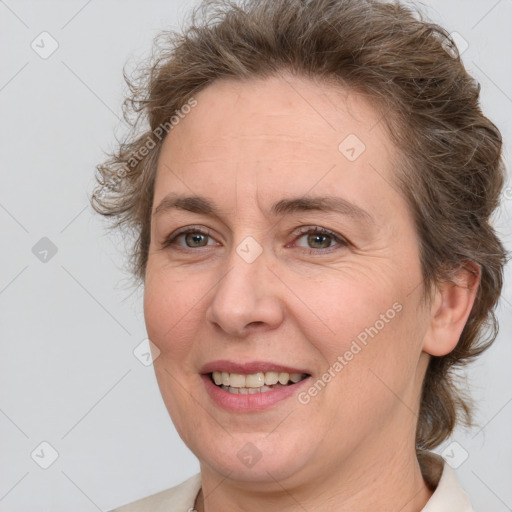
224, 365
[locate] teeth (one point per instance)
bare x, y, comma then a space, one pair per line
250, 391
271, 378
254, 380
284, 378
236, 382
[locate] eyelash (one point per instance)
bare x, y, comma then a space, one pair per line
306, 230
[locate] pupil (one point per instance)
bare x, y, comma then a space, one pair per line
323, 240
195, 239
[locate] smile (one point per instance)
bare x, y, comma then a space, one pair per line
253, 383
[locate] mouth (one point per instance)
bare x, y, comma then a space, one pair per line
253, 383
251, 386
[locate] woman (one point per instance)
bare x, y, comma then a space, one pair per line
311, 203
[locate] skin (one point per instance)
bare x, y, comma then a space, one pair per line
300, 303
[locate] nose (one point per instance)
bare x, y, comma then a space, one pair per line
246, 299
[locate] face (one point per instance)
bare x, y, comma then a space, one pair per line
283, 284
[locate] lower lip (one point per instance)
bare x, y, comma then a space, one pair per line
254, 402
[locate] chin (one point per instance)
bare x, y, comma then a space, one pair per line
255, 457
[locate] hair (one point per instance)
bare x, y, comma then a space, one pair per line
450, 171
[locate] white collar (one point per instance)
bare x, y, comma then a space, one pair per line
448, 495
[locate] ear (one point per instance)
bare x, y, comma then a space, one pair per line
450, 309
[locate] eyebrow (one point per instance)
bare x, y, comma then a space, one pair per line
202, 205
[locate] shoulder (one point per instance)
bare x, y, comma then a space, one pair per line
181, 497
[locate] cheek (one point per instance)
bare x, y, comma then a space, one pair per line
345, 306
368, 334
172, 309
379, 360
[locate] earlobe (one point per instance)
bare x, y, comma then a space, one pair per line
450, 309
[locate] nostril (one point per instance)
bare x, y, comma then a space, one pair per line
255, 324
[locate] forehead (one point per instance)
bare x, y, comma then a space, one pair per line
280, 133
280, 106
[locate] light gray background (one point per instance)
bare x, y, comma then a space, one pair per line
68, 375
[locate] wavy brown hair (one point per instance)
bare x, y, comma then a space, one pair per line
450, 171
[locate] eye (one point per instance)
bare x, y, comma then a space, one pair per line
312, 238
317, 239
190, 238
